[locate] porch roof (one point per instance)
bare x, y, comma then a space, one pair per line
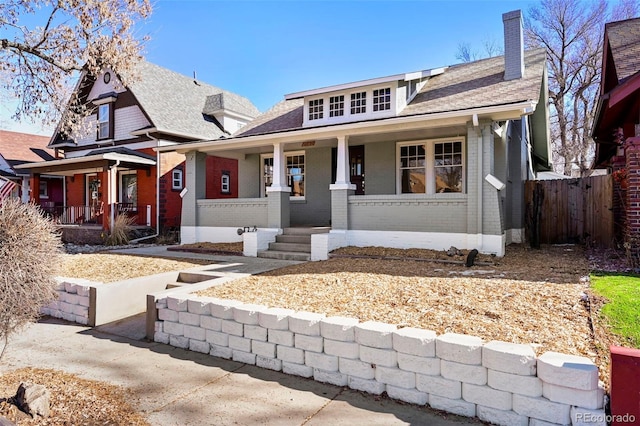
89, 163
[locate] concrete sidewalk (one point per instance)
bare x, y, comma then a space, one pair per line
178, 387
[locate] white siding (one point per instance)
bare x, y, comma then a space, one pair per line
127, 120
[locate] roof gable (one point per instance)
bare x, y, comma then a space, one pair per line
623, 41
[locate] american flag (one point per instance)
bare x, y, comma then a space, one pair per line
6, 186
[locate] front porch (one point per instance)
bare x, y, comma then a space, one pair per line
405, 201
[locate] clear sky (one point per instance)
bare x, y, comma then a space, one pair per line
266, 49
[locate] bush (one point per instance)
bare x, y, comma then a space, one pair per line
122, 227
30, 252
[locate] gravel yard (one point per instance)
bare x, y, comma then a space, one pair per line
529, 296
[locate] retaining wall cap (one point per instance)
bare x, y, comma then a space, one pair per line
311, 316
344, 321
377, 326
417, 333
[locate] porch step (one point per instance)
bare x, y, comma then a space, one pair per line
293, 244
296, 247
298, 239
284, 255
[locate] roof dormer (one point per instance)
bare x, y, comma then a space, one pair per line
363, 100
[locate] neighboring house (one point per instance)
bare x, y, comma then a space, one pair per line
616, 128
112, 166
18, 148
426, 159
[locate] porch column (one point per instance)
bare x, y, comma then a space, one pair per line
112, 184
278, 213
35, 188
342, 188
194, 189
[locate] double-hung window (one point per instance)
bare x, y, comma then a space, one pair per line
294, 175
104, 121
177, 179
358, 103
336, 106
428, 167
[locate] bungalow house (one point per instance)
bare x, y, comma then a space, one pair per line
616, 127
426, 159
17, 148
111, 167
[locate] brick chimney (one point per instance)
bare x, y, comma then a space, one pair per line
513, 45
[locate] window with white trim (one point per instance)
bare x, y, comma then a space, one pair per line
430, 167
225, 182
295, 173
336, 106
382, 99
44, 190
177, 179
359, 103
316, 109
104, 124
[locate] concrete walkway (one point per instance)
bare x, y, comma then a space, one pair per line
178, 387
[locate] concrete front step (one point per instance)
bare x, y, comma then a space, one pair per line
285, 255
306, 231
297, 247
299, 239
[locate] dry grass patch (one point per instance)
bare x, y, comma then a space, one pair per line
531, 297
74, 401
213, 247
107, 267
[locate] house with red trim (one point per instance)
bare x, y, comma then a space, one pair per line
111, 165
427, 159
616, 127
17, 148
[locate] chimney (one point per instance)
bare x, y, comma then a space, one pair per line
513, 45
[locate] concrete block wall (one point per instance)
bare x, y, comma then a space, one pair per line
72, 303
498, 382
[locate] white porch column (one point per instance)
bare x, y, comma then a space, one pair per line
279, 183
343, 176
112, 174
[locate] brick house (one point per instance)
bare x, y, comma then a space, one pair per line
424, 159
112, 167
616, 128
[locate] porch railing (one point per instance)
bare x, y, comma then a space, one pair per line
94, 214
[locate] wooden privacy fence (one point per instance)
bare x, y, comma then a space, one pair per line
570, 211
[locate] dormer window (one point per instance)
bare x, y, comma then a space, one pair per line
359, 103
382, 99
316, 109
103, 121
336, 106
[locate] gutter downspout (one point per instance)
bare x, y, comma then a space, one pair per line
480, 185
157, 195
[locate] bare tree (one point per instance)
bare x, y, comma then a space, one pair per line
490, 48
30, 250
38, 65
571, 32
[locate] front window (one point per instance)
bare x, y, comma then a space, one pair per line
176, 179
336, 106
294, 174
431, 167
129, 189
448, 166
382, 99
44, 190
316, 109
359, 103
103, 121
412, 169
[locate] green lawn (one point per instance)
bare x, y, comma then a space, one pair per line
622, 311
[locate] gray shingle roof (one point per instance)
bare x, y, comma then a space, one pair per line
471, 85
175, 103
624, 41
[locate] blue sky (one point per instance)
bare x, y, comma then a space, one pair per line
266, 49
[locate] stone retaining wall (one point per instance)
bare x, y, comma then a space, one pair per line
72, 303
499, 382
